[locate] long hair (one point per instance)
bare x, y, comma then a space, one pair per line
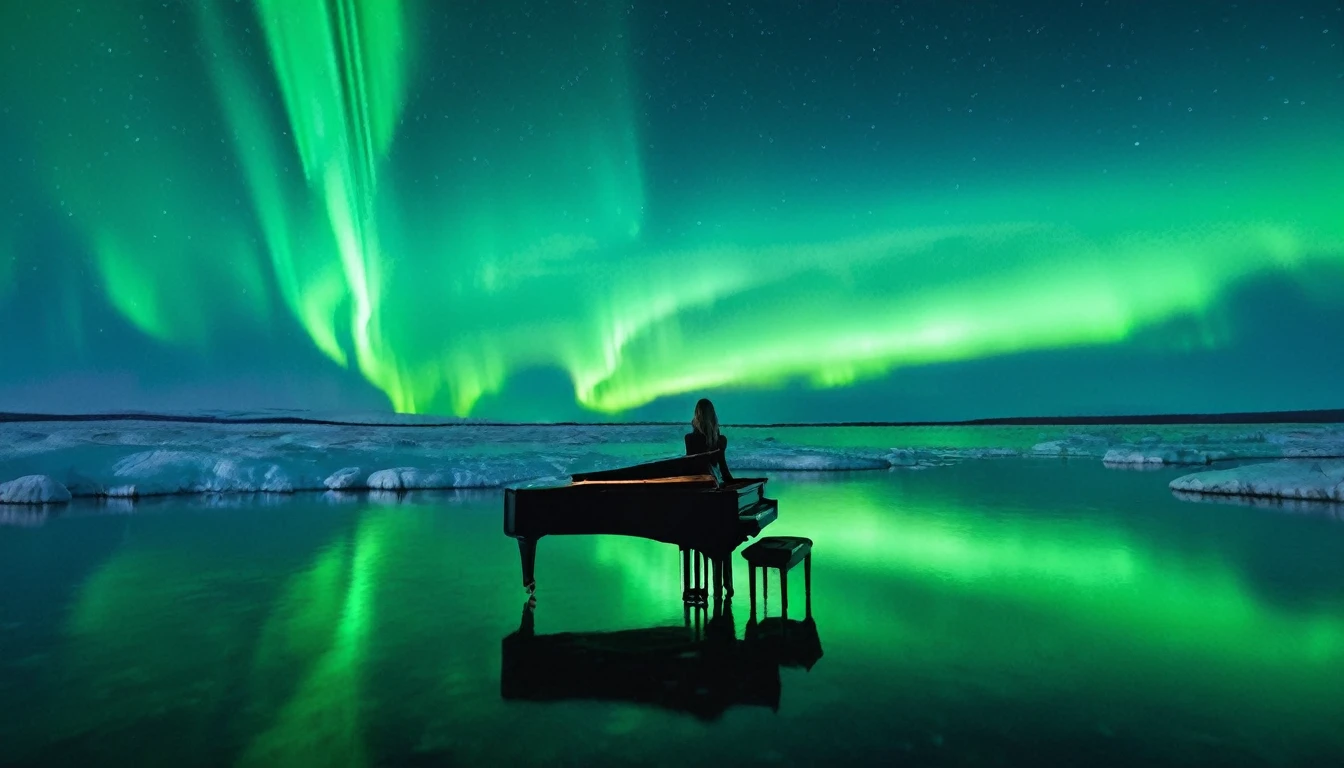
706, 422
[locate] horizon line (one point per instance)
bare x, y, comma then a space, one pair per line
1310, 416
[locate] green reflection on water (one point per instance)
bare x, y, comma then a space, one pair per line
1054, 601
1076, 565
321, 626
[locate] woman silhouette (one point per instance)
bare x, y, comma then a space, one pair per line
705, 437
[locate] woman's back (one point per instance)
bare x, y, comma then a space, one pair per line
696, 443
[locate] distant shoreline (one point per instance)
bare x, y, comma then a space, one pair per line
1326, 416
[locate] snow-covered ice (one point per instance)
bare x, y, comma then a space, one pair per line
1304, 480
164, 472
144, 458
33, 489
345, 479
1159, 455
804, 460
1078, 445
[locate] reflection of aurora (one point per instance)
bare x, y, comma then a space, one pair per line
149, 622
322, 625
440, 240
1080, 571
395, 614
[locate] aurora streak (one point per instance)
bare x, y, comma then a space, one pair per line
442, 197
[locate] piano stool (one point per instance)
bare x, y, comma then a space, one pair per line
783, 553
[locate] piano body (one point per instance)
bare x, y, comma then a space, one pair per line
678, 501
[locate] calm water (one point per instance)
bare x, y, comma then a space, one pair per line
988, 613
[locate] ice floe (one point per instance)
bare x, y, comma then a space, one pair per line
806, 461
1079, 445
163, 472
138, 459
345, 479
1158, 455
1303, 480
33, 489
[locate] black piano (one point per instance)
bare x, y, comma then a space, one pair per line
680, 501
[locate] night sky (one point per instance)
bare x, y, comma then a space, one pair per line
561, 210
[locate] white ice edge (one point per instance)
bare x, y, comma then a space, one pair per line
48, 462
1297, 479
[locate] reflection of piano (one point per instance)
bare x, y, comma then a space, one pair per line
678, 501
676, 668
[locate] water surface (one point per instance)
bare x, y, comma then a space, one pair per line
1012, 612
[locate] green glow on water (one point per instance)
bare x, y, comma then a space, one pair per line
1094, 574
326, 634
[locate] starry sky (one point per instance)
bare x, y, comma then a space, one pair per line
809, 211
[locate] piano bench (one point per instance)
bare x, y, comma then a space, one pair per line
782, 553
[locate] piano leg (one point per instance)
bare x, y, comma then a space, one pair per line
685, 575
718, 577
784, 593
528, 626
698, 566
728, 575
527, 551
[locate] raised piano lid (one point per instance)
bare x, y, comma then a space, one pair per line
697, 467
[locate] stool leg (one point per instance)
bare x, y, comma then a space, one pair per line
697, 569
751, 586
807, 584
728, 575
784, 592
685, 574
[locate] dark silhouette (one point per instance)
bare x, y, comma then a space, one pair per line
701, 669
705, 437
783, 553
670, 500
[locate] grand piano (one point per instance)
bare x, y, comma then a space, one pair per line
682, 501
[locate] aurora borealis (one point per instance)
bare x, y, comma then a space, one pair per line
605, 210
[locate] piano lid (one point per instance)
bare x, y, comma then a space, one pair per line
699, 466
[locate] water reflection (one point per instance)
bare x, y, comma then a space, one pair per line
701, 668
993, 608
1324, 509
24, 516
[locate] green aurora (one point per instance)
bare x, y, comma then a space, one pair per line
444, 196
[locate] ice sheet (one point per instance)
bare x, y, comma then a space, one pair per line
33, 489
1304, 480
133, 459
1159, 455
